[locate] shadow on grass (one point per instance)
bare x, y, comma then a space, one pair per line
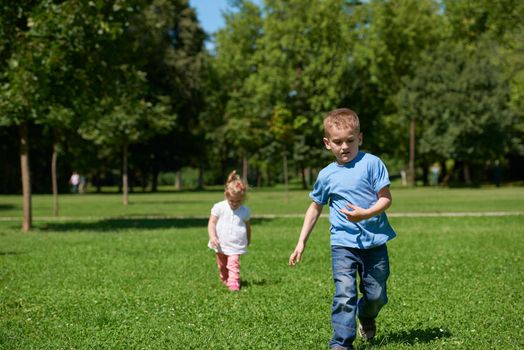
113, 191
411, 337
108, 225
4, 206
11, 253
258, 282
111, 225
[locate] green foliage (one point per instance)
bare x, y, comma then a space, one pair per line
470, 21
459, 97
392, 35
135, 71
239, 125
47, 51
281, 124
302, 56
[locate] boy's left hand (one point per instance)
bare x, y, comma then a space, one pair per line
356, 214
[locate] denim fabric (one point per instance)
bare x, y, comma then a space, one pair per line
372, 266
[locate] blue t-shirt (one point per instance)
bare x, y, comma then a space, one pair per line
357, 182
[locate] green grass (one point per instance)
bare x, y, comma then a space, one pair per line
143, 283
262, 202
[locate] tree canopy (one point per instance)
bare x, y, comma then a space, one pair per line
130, 83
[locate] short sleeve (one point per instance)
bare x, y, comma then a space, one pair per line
216, 210
320, 193
381, 176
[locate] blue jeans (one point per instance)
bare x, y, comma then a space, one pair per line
372, 266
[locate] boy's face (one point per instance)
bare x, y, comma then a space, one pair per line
343, 142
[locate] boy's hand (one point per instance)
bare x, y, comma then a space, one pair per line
356, 214
296, 255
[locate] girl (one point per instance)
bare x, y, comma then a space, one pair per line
229, 231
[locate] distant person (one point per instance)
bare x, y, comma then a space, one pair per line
403, 178
229, 231
435, 173
74, 181
82, 184
356, 187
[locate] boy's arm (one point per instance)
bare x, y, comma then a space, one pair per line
310, 219
212, 231
357, 214
248, 232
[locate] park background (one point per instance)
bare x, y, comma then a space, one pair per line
127, 93
154, 112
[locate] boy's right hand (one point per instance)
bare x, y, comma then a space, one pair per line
296, 255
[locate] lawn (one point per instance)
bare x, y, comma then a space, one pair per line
261, 201
103, 280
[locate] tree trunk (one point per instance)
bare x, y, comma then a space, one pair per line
26, 178
98, 181
178, 180
143, 178
54, 179
303, 175
200, 180
411, 176
154, 180
467, 174
125, 188
444, 175
310, 176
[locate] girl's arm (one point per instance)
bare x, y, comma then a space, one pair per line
248, 231
357, 214
312, 214
212, 231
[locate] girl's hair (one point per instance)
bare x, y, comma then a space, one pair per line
234, 184
341, 118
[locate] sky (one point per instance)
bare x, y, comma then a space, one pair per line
209, 13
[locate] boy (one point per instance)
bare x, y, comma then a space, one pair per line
356, 187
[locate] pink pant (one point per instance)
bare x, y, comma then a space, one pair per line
229, 269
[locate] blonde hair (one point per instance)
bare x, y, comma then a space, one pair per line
234, 185
341, 118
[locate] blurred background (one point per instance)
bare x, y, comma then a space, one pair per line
136, 95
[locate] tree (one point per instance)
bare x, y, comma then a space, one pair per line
301, 64
470, 21
54, 29
19, 90
460, 97
176, 69
153, 79
232, 119
126, 118
499, 22
281, 126
392, 37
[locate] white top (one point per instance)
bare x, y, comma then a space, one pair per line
231, 228
75, 179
